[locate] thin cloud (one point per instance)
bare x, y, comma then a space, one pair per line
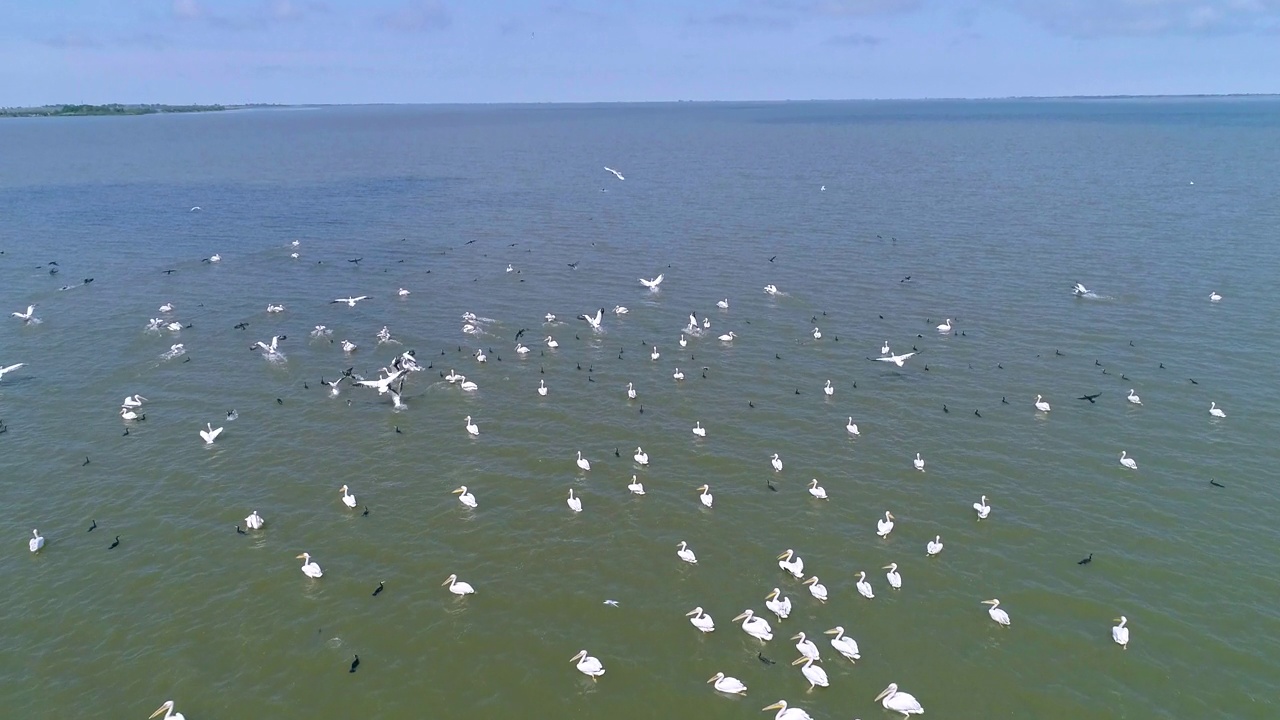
418, 17
854, 40
742, 21
1103, 18
848, 8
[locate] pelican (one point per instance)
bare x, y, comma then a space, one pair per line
723, 304
347, 498
945, 327
402, 292
167, 707
635, 486
575, 504
701, 621
705, 497
542, 388
1119, 633
828, 390
481, 357
846, 646
620, 310
593, 321
706, 323
896, 359
468, 386
852, 427
1041, 405
465, 497
918, 462
728, 337
995, 612
726, 684
458, 587
36, 542
1134, 398
817, 490
652, 284
754, 626
210, 433
817, 334
128, 414
216, 257
899, 702
174, 327
1079, 290
893, 576
1214, 296
617, 175
254, 521
28, 316
309, 568
685, 554
683, 342
641, 457
510, 268
271, 349
678, 375
167, 307
776, 462
817, 589
699, 430
693, 322
884, 349
631, 391
521, 349
472, 428
816, 676
588, 665
934, 547
982, 508
130, 402
654, 355
885, 526
321, 331
583, 464
1215, 411
771, 289
275, 308
350, 301
1128, 461
786, 713
396, 402
779, 605
549, 317
551, 342
864, 587
348, 346
792, 563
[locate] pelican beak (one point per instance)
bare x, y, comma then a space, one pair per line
832, 631
988, 602
691, 613
799, 661
457, 492
451, 579
891, 517
775, 706
1115, 619
157, 712
887, 567
810, 581
302, 556
713, 678
882, 694
743, 615
784, 554
795, 637
581, 653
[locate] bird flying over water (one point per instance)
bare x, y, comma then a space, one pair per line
654, 283
615, 173
350, 301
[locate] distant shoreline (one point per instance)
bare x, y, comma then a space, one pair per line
115, 110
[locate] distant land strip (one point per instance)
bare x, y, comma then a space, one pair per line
112, 109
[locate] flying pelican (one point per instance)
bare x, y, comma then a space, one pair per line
817, 589
588, 665
1128, 461
705, 497
620, 310
776, 462
26, 317
551, 342
210, 433
817, 334
701, 621
1041, 405
816, 676
1134, 398
786, 713
615, 172
754, 626
918, 462
896, 359
934, 547
945, 327
893, 576
583, 464
885, 526
728, 337
995, 612
1214, 296
792, 563
723, 304
852, 427
350, 301
472, 428
130, 402
864, 587
635, 486
167, 307
347, 498
254, 521
817, 490
382, 384
779, 605
652, 284
699, 430
575, 504
982, 508
641, 457
1215, 411
829, 390
726, 684
542, 388
1079, 290
884, 349
594, 322
899, 702
167, 707
846, 646
36, 542
310, 569
654, 355
685, 554
683, 342
1120, 633
464, 497
631, 391
458, 587
9, 369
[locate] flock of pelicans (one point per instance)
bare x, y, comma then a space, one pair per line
389, 383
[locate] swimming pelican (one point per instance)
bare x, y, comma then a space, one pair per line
683, 342
510, 268
701, 621
275, 308
593, 320
542, 388
754, 626
723, 304
321, 331
699, 430
350, 301
347, 498
726, 684
918, 462
635, 486
945, 327
549, 317
641, 457
864, 587
402, 292
1041, 405
468, 386
817, 589
167, 707
575, 504
792, 563
900, 702
817, 490
1134, 398
631, 391
728, 337
216, 257
652, 284
588, 665
1128, 461
620, 310
705, 497
521, 349
472, 428
1214, 296
885, 526
934, 547
128, 414
458, 587
706, 323
36, 542
309, 568
779, 605
209, 433
1215, 411
852, 427
1120, 633
982, 508
254, 521
896, 359
776, 462
685, 554
654, 355
884, 349
9, 369
816, 676
893, 576
786, 713
995, 612
551, 342
846, 646
828, 389
583, 464
348, 346
130, 402
771, 289
1079, 290
677, 375
817, 334
481, 357
464, 497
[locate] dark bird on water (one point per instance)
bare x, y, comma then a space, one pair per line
355, 664
750, 404
944, 408
398, 430
91, 527
355, 260
1085, 561
378, 590
616, 453
770, 484
86, 461
573, 265
1057, 352
1090, 398
126, 431
114, 544
239, 531
1003, 401
764, 659
975, 412
366, 510
1193, 382
775, 257
279, 401
1215, 483
241, 326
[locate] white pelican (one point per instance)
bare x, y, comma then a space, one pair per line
728, 337
779, 605
683, 342
1128, 461
382, 384
817, 589
1134, 398
350, 301
693, 322
701, 621
934, 547
896, 359
468, 386
593, 321
36, 542
167, 707
1041, 405
575, 504
254, 521
549, 317
945, 327
817, 490
828, 389
631, 391
271, 349
776, 462
542, 388
210, 433
699, 430
864, 587
128, 414
816, 676
705, 497
402, 292
685, 554
652, 284
551, 342
1079, 290
510, 268
771, 289
472, 428
347, 498
982, 508
817, 334
1215, 411
275, 308
129, 402
583, 463
654, 354
174, 327
786, 713
1214, 296
852, 427
522, 349
27, 316
458, 587
893, 576
348, 346
465, 497
723, 304
899, 702
1120, 633
918, 462
754, 626
678, 375
995, 612
726, 684
9, 369
481, 357
885, 526
588, 665
620, 310
884, 349
167, 307
792, 563
619, 176
309, 568
846, 646
635, 486
216, 257
321, 331
641, 457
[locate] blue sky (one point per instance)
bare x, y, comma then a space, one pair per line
360, 51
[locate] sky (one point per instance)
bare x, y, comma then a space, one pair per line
498, 51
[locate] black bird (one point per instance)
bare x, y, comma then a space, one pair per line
356, 663
764, 659
1085, 561
114, 544
242, 326
1090, 398
91, 527
905, 279
1215, 483
1003, 401
642, 409
1123, 376
1161, 366
750, 404
242, 532
775, 257
86, 461
1095, 362
616, 453
355, 260
520, 333
1193, 382
469, 242
944, 408
978, 414
797, 391
1130, 343
398, 430
366, 510
770, 484
169, 272
1057, 352
776, 356
378, 590
573, 265
279, 401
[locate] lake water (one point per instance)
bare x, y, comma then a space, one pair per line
994, 209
